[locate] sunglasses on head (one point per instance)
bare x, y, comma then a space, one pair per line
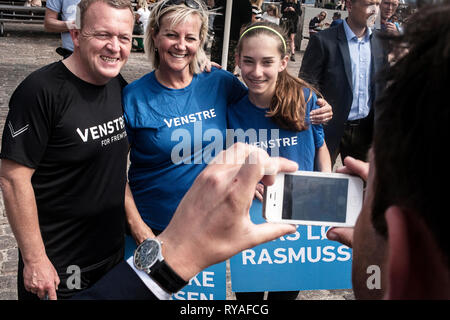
188, 3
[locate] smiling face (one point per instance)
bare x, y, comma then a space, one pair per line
104, 42
260, 62
177, 45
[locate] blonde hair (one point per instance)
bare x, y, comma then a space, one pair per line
288, 105
257, 3
142, 4
177, 14
273, 8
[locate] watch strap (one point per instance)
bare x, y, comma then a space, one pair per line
164, 275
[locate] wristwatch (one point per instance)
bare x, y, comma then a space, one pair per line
148, 258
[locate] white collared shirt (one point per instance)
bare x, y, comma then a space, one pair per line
360, 57
149, 282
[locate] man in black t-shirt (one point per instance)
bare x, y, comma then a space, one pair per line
64, 158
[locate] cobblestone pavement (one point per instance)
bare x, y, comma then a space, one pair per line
24, 49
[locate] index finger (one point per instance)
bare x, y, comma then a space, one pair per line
275, 165
259, 166
48, 293
52, 294
321, 102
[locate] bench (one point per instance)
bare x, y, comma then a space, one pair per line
16, 12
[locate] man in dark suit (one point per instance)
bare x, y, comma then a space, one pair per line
341, 63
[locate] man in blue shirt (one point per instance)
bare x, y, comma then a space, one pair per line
336, 20
342, 62
59, 16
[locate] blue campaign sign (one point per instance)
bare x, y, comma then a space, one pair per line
210, 284
305, 260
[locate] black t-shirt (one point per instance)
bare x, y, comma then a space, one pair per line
73, 134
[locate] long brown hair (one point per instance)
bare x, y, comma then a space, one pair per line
288, 105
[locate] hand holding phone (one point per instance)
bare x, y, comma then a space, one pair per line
314, 198
359, 168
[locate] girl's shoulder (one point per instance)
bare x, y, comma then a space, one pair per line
310, 98
309, 93
227, 81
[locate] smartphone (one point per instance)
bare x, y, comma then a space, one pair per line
314, 198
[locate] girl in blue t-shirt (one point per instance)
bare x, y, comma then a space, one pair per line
274, 115
276, 109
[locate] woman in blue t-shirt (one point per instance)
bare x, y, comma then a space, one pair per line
176, 115
275, 114
168, 113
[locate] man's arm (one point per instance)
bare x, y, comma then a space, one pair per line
40, 277
52, 24
323, 160
139, 229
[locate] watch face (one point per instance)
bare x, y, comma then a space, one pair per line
146, 254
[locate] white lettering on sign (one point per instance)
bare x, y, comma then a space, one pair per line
203, 279
316, 236
300, 255
182, 295
311, 234
207, 279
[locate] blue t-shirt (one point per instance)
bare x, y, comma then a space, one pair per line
174, 133
263, 132
68, 10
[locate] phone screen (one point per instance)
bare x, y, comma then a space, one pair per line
315, 198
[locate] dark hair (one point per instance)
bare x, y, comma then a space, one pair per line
288, 106
411, 126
